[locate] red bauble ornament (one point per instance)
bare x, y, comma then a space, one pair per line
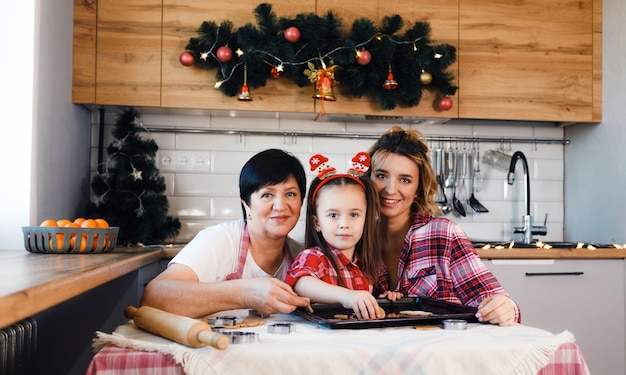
224, 54
445, 103
275, 73
292, 34
186, 58
363, 57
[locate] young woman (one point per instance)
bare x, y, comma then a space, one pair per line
241, 264
427, 255
342, 262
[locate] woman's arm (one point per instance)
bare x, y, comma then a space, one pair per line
178, 290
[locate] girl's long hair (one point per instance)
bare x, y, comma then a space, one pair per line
369, 246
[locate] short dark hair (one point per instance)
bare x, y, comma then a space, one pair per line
267, 168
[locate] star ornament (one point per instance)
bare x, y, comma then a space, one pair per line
239, 52
136, 174
204, 55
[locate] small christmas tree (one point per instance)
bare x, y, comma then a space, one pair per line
129, 192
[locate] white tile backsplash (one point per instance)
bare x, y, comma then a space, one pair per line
201, 170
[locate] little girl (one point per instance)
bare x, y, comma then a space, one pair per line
342, 262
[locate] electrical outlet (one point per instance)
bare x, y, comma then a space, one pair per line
201, 161
166, 160
184, 161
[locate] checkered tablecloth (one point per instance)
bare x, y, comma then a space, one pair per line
312, 349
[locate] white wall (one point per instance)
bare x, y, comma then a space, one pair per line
595, 162
17, 22
206, 193
45, 151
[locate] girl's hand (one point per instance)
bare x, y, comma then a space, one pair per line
363, 303
391, 295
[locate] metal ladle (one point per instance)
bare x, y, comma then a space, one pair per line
442, 199
457, 201
473, 202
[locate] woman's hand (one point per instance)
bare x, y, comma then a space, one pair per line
391, 295
362, 302
270, 295
497, 309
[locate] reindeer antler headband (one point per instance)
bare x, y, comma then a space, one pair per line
320, 164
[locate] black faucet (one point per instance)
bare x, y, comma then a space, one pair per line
528, 229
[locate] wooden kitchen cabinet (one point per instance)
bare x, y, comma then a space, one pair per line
190, 87
128, 57
117, 52
443, 17
530, 60
84, 57
584, 296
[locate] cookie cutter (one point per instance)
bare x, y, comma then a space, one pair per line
224, 321
239, 337
455, 324
281, 328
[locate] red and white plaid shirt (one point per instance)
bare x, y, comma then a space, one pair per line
439, 261
313, 262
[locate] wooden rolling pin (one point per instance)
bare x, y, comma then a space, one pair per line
187, 331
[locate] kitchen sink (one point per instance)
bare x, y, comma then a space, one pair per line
542, 245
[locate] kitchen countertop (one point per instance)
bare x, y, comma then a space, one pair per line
554, 253
31, 283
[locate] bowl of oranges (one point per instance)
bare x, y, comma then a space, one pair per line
64, 236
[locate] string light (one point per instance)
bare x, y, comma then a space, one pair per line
281, 63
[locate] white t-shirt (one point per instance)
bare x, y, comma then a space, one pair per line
214, 252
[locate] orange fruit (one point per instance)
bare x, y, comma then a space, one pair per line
59, 244
79, 220
71, 224
102, 223
49, 223
89, 223
44, 238
62, 222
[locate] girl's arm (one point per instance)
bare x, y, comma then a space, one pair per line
361, 301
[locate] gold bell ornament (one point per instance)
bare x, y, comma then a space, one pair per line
323, 80
324, 89
390, 82
245, 92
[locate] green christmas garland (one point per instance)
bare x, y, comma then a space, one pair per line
367, 60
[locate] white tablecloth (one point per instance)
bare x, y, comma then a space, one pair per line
313, 349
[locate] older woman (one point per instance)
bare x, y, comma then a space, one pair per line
426, 255
240, 264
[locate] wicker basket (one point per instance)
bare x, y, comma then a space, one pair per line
62, 240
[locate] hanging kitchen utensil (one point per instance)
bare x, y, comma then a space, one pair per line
457, 203
473, 202
441, 194
477, 183
450, 161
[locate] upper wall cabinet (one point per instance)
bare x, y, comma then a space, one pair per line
84, 58
128, 57
531, 60
443, 17
187, 87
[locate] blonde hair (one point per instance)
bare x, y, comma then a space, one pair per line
410, 143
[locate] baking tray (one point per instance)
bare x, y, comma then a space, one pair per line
324, 314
